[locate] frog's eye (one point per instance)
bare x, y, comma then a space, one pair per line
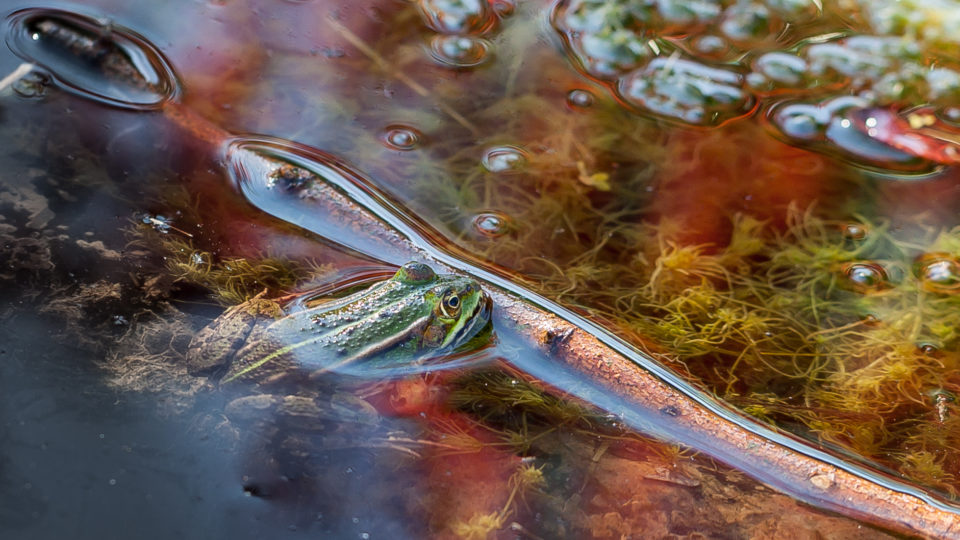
450, 305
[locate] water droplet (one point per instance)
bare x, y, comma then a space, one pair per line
459, 51
938, 272
865, 277
107, 63
580, 99
502, 159
401, 137
491, 224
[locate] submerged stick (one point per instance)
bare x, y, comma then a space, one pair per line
800, 476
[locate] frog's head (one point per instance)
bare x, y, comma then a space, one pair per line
459, 308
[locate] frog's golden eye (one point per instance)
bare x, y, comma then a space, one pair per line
450, 305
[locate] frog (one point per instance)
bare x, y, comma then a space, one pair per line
292, 379
392, 326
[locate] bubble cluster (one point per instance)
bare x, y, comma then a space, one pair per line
687, 91
705, 63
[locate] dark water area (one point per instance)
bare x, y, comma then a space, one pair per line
706, 198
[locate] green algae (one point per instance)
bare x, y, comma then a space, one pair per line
230, 280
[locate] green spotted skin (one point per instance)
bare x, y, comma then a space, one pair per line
394, 323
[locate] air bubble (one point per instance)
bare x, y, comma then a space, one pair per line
401, 137
580, 99
865, 277
748, 23
459, 51
503, 159
938, 272
854, 231
800, 122
491, 224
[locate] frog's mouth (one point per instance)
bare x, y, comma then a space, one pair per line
476, 317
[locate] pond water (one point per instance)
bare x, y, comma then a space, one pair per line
758, 197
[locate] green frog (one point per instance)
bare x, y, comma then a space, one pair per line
393, 325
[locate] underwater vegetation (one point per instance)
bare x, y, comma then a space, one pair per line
841, 330
235, 280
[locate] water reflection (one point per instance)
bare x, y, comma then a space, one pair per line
314, 191
112, 65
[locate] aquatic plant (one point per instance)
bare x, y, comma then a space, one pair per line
233, 280
850, 338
